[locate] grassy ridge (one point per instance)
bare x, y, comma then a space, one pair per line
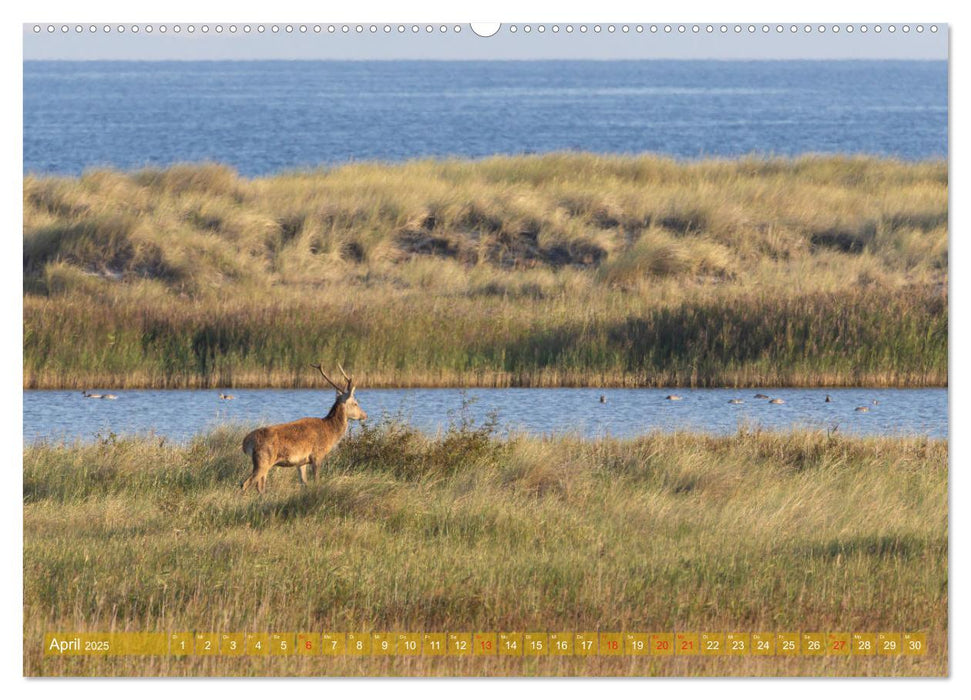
754, 532
545, 270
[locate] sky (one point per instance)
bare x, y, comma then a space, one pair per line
506, 44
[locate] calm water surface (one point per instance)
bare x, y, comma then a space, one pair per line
266, 116
178, 415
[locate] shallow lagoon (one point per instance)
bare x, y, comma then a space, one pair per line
180, 414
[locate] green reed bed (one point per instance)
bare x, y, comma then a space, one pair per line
859, 338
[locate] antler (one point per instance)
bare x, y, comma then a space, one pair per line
329, 380
350, 382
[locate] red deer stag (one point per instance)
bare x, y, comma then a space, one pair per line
303, 442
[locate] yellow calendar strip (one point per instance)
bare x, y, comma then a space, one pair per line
888, 643
813, 644
611, 644
637, 644
281, 644
333, 643
408, 644
585, 644
484, 644
510, 644
258, 644
434, 644
180, 643
662, 644
763, 644
914, 643
207, 644
232, 644
787, 644
481, 644
561, 644
383, 644
459, 644
686, 643
863, 644
536, 644
711, 644
838, 644
738, 644
308, 644
358, 644
106, 644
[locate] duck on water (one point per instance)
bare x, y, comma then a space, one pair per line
85, 394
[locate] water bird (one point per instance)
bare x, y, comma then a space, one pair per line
761, 396
226, 397
828, 399
86, 395
735, 401
674, 397
875, 402
862, 409
776, 401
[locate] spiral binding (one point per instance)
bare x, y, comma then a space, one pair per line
372, 28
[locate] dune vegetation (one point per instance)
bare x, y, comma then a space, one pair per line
552, 270
559, 269
467, 531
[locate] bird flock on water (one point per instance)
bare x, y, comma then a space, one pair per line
603, 399
771, 400
88, 395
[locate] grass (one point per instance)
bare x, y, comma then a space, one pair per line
469, 532
562, 269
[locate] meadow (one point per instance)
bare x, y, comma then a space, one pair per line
553, 270
469, 531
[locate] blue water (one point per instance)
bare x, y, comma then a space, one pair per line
178, 415
264, 117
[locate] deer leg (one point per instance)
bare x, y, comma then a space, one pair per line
313, 470
262, 464
253, 477
302, 469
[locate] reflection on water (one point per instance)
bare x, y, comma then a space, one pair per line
179, 415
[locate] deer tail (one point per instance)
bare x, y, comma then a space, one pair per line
249, 442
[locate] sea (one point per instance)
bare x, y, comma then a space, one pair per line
266, 117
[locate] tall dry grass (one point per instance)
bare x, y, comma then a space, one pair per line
514, 270
468, 532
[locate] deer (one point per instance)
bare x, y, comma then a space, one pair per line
303, 442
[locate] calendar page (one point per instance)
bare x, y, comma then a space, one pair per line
513, 349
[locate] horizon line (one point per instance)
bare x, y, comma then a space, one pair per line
726, 59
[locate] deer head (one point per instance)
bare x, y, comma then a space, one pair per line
345, 395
